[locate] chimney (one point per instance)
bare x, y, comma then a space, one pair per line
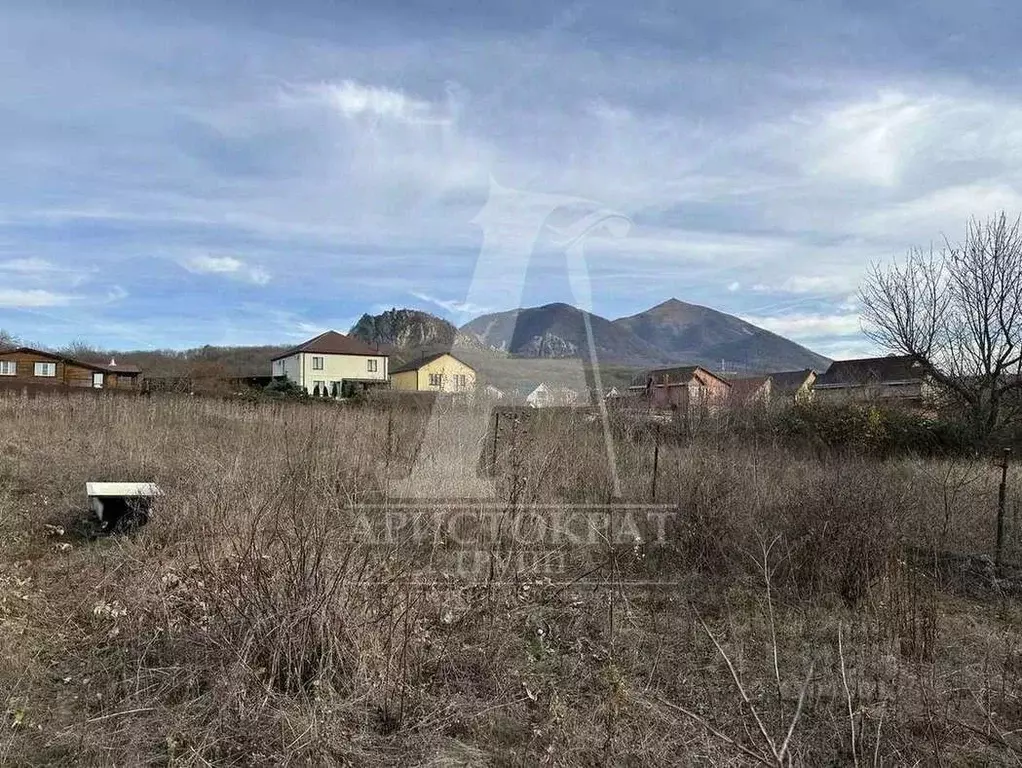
112, 362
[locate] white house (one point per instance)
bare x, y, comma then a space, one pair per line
493, 393
540, 397
332, 363
544, 397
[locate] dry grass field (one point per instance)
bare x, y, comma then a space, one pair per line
810, 608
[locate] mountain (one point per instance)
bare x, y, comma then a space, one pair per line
699, 335
673, 332
558, 330
404, 328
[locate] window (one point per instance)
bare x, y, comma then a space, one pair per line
435, 379
319, 388
371, 366
45, 369
8, 368
462, 384
317, 363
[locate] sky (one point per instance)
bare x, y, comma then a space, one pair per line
189, 173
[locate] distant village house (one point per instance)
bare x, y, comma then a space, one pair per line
750, 390
334, 364
544, 396
441, 372
893, 379
786, 387
24, 365
493, 393
792, 386
684, 388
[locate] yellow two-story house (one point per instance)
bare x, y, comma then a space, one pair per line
332, 364
442, 372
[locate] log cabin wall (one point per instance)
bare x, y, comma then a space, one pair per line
67, 373
25, 370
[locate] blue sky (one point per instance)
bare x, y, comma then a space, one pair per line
176, 174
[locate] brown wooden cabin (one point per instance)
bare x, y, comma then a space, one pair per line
25, 365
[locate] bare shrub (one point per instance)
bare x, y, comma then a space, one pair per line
253, 620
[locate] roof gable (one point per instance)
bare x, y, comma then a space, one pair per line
750, 386
791, 381
681, 375
416, 364
334, 343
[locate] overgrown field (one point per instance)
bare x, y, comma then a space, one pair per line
795, 605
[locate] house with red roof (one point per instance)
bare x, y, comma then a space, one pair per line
333, 364
686, 387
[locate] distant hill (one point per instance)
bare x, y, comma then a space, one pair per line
558, 330
673, 332
702, 336
518, 348
404, 328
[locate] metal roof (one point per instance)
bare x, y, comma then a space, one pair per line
414, 365
895, 369
334, 343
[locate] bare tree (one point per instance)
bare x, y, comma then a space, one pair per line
8, 340
80, 349
958, 313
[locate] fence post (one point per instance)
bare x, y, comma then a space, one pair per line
1002, 491
656, 458
390, 433
496, 430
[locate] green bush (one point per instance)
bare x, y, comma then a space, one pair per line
880, 430
285, 389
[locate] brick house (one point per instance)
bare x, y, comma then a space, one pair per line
683, 388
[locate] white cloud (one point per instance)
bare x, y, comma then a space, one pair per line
31, 266
228, 266
258, 275
734, 286
850, 304
817, 284
453, 305
848, 348
808, 326
870, 141
213, 264
44, 272
928, 217
11, 298
353, 100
